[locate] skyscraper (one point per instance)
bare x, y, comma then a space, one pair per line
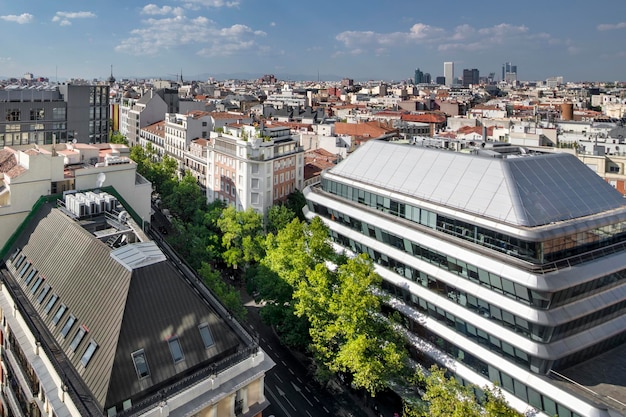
448, 72
509, 72
419, 76
470, 77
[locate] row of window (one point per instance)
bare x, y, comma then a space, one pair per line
504, 380
539, 252
477, 275
22, 265
140, 360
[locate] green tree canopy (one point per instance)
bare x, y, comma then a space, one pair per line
347, 331
242, 236
278, 217
186, 198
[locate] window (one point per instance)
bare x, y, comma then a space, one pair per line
59, 314
30, 276
141, 365
205, 333
50, 304
176, 349
80, 334
43, 293
36, 114
13, 115
24, 268
37, 283
68, 325
91, 349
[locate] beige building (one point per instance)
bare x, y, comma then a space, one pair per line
27, 173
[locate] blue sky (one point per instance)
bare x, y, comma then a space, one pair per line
377, 40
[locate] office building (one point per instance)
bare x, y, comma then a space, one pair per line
440, 80
419, 77
471, 77
507, 268
448, 72
98, 321
34, 116
88, 112
509, 73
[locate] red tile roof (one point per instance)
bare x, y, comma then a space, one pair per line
438, 118
365, 130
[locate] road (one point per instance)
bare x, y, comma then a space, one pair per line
290, 386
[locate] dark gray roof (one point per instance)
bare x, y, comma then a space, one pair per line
123, 309
522, 191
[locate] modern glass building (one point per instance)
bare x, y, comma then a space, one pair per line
508, 268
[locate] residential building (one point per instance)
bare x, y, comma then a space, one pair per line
507, 268
448, 73
181, 129
27, 172
137, 114
254, 166
97, 321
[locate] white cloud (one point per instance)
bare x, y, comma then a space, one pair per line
65, 18
153, 9
461, 37
21, 19
196, 4
158, 34
272, 24
612, 26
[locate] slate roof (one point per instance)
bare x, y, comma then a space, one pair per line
521, 191
138, 303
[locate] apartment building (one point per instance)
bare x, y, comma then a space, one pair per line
254, 166
135, 114
506, 269
96, 321
181, 129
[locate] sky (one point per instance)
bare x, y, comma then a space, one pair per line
363, 40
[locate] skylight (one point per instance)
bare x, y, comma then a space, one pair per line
207, 337
80, 334
50, 304
91, 349
176, 349
141, 365
68, 325
59, 314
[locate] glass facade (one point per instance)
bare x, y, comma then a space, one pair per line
495, 282
551, 250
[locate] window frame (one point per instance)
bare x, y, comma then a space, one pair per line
140, 354
175, 347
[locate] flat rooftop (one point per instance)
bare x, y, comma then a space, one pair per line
601, 379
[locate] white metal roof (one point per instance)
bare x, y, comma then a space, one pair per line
519, 190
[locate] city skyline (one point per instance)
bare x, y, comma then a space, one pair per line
376, 41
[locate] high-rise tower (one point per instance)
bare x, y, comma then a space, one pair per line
448, 72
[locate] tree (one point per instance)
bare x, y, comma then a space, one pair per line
347, 331
278, 217
296, 202
227, 294
186, 198
445, 396
117, 137
242, 236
